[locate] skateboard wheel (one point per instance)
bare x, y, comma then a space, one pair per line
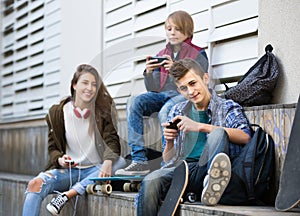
90, 189
191, 197
126, 187
138, 186
133, 187
106, 189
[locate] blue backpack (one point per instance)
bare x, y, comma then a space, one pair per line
253, 173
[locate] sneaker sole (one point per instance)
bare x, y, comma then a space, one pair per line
132, 173
52, 209
219, 177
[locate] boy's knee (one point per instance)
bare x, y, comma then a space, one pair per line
219, 132
135, 102
162, 116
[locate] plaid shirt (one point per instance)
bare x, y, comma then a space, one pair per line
221, 112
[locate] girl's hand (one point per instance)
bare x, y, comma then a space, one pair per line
64, 161
106, 169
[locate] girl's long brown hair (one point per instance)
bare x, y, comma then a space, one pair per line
104, 104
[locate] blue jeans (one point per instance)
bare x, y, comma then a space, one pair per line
59, 180
156, 184
146, 104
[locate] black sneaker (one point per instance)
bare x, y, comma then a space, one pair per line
134, 169
217, 179
56, 204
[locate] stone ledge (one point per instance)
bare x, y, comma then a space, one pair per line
199, 209
189, 209
12, 188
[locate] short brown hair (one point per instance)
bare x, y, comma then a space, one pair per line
180, 68
183, 21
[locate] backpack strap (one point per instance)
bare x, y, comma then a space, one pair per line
260, 137
259, 141
248, 164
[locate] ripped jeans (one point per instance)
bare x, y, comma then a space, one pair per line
61, 180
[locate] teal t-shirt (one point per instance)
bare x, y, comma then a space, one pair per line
194, 142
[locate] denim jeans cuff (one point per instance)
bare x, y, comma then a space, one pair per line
79, 188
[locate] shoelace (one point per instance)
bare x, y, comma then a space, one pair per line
59, 201
132, 166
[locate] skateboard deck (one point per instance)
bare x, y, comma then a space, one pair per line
176, 190
289, 191
131, 184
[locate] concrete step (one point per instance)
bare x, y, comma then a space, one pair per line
13, 186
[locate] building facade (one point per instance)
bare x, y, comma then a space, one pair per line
43, 41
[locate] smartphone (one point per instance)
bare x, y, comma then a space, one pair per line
160, 59
173, 125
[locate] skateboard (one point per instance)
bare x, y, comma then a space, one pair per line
288, 195
131, 184
176, 190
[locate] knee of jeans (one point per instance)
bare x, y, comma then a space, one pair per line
130, 101
218, 132
134, 103
152, 181
162, 116
217, 139
35, 185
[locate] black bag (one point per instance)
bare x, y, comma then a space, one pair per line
257, 85
253, 173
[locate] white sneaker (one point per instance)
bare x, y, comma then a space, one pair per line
216, 181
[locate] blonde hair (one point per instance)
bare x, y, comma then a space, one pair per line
183, 21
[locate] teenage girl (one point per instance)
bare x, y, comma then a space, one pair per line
82, 143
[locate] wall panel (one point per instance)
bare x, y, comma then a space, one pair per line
227, 29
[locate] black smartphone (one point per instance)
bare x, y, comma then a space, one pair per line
160, 59
173, 125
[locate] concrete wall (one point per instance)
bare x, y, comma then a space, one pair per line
81, 37
279, 25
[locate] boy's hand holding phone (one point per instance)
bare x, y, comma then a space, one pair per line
153, 62
159, 60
